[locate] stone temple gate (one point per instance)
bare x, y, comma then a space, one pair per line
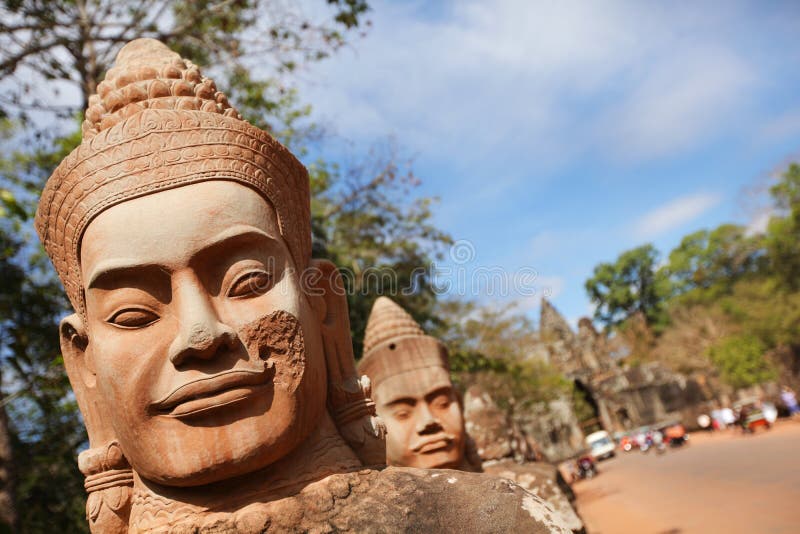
621, 397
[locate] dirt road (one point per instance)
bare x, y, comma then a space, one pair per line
723, 483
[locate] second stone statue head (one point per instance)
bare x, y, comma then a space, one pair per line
413, 392
181, 232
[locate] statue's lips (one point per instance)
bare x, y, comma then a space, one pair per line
433, 445
211, 392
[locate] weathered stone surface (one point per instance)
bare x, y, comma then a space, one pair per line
487, 425
540, 479
498, 444
391, 500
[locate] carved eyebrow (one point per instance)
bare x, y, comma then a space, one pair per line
444, 390
403, 400
108, 270
232, 236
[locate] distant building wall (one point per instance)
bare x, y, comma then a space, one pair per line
624, 398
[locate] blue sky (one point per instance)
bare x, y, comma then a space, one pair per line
558, 134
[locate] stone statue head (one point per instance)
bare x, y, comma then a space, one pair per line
201, 348
412, 389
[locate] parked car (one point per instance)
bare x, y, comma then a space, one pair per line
600, 445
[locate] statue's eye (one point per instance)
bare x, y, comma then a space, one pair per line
132, 318
442, 401
250, 284
402, 415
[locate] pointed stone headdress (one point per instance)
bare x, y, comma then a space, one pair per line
156, 123
394, 343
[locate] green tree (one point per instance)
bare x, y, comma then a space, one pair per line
368, 222
632, 284
741, 361
45, 428
74, 42
495, 348
723, 301
708, 263
783, 231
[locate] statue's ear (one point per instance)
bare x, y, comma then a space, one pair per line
74, 342
78, 362
348, 395
109, 477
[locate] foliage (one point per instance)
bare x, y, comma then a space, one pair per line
492, 348
710, 261
367, 221
761, 308
783, 232
630, 285
731, 298
740, 360
45, 426
500, 333
638, 338
75, 42
693, 329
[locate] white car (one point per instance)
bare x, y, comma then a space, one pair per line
601, 445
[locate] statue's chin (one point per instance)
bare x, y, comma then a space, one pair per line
214, 445
189, 466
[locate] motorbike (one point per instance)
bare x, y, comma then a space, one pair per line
586, 467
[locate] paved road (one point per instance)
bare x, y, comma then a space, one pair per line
722, 483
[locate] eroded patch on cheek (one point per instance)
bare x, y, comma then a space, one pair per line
277, 339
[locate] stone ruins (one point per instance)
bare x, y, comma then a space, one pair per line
622, 398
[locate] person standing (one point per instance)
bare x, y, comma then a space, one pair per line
790, 400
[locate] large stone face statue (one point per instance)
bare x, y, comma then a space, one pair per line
209, 354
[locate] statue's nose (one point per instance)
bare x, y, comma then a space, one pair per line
200, 333
427, 423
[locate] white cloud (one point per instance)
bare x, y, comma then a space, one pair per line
682, 99
758, 225
675, 214
543, 82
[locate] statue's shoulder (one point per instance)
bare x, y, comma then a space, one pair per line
371, 501
545, 481
420, 500
541, 476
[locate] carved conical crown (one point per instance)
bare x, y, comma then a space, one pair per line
148, 75
394, 343
388, 321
